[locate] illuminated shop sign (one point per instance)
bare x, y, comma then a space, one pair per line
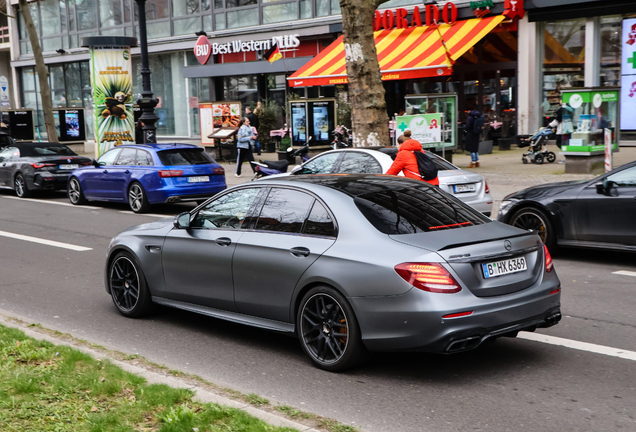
203, 49
389, 19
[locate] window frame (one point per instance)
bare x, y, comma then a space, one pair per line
355, 152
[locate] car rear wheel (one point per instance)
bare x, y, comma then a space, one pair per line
20, 186
328, 330
530, 218
128, 287
137, 198
75, 193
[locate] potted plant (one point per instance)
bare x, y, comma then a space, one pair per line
269, 116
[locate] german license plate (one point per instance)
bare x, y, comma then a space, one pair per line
198, 179
500, 268
69, 166
464, 188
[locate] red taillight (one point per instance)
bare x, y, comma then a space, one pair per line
555, 291
38, 165
548, 260
170, 173
431, 277
219, 171
487, 188
457, 315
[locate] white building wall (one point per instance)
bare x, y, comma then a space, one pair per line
529, 75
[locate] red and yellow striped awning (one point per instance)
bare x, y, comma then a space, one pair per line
415, 52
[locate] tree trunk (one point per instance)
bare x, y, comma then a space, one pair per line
42, 71
369, 118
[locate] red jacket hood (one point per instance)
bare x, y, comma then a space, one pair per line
411, 145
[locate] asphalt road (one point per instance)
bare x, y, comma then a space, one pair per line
515, 384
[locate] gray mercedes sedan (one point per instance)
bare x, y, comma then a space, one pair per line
349, 263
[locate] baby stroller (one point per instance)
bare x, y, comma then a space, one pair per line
537, 152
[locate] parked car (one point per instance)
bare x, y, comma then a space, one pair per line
146, 174
595, 213
469, 187
31, 166
348, 263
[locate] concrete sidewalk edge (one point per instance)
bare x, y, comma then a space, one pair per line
201, 395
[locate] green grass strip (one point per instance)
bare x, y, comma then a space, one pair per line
46, 387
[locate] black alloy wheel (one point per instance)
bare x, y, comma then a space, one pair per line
128, 286
20, 186
531, 218
328, 330
550, 157
137, 198
75, 193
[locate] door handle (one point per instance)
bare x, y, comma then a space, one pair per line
127, 172
300, 252
105, 171
223, 241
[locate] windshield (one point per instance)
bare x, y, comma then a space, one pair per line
411, 210
194, 156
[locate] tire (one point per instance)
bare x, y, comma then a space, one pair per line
550, 157
20, 186
530, 218
128, 287
524, 160
538, 159
75, 192
322, 311
137, 198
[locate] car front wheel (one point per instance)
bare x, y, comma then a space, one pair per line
530, 218
75, 193
128, 287
328, 330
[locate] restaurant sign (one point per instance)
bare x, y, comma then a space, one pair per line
389, 19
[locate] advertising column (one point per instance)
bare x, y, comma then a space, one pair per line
111, 81
628, 75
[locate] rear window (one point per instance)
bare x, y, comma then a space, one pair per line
416, 209
195, 156
59, 150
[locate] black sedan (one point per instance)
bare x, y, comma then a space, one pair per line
26, 167
595, 213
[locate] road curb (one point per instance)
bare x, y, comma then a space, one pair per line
201, 394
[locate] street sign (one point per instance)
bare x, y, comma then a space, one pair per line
4, 89
202, 49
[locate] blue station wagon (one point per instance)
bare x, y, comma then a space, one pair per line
146, 174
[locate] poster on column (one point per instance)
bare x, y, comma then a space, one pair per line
628, 75
111, 77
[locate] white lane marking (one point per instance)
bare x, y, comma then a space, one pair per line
45, 242
144, 214
52, 202
582, 346
625, 273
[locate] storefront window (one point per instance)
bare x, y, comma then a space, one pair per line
242, 18
280, 12
199, 91
611, 30
563, 65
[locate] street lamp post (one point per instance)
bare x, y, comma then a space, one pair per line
147, 103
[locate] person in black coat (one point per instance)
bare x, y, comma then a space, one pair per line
471, 140
253, 117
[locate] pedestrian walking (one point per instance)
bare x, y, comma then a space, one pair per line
406, 160
139, 132
473, 128
564, 125
254, 121
243, 150
256, 146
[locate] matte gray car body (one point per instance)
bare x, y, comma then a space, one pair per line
266, 284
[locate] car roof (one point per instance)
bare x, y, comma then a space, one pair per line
353, 185
31, 144
160, 146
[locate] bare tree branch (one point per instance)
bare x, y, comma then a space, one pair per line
4, 9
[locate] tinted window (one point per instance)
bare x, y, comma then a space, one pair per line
320, 164
10, 152
625, 178
357, 162
109, 157
285, 211
184, 157
228, 211
416, 209
60, 150
127, 157
319, 222
144, 158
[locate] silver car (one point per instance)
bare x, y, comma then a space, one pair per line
469, 187
348, 263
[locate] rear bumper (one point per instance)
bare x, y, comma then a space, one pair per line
47, 181
195, 192
414, 321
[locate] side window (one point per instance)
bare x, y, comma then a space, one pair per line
284, 210
625, 178
319, 222
358, 162
144, 158
109, 157
228, 211
10, 152
320, 165
127, 157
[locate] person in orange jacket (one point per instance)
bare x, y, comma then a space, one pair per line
406, 162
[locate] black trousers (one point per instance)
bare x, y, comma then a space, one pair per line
243, 155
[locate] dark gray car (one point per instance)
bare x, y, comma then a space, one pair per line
27, 167
349, 263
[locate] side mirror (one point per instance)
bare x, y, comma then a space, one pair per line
296, 169
182, 221
607, 188
600, 189
95, 163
